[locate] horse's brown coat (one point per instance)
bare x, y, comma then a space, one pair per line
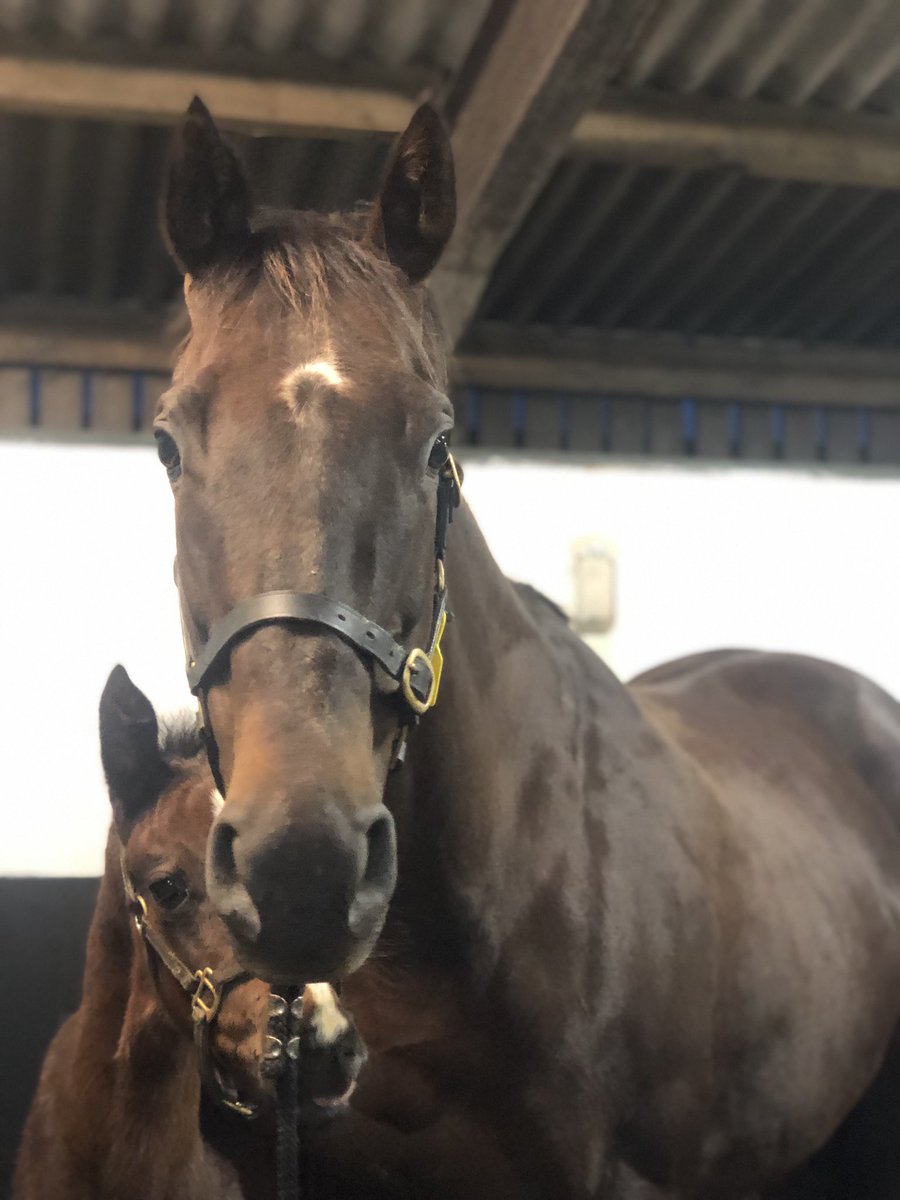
649, 930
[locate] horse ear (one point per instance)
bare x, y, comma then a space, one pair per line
416, 211
129, 746
206, 204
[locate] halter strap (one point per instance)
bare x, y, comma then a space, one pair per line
417, 671
206, 987
303, 608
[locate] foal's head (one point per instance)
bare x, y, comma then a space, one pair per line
163, 802
302, 436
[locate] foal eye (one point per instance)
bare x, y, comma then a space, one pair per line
169, 892
440, 452
167, 450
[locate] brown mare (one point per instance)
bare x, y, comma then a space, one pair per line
118, 1109
652, 928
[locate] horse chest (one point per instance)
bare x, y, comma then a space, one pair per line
418, 1127
453, 1105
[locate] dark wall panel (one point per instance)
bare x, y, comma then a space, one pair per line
43, 928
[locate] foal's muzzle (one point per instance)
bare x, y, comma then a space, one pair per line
304, 899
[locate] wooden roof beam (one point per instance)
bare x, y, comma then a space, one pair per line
52, 341
159, 95
665, 366
763, 140
532, 73
538, 360
512, 134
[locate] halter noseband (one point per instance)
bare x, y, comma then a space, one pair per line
417, 671
207, 989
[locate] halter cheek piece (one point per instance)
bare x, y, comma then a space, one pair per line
417, 672
207, 989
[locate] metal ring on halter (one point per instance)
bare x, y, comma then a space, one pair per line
415, 702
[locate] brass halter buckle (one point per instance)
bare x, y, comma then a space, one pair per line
413, 658
139, 912
205, 999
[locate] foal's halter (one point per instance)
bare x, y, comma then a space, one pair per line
417, 671
207, 989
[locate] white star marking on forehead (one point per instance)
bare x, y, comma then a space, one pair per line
320, 367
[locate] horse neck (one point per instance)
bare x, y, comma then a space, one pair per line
507, 705
143, 1113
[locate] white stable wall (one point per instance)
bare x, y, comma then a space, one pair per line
707, 556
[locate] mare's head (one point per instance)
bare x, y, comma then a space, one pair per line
163, 800
302, 435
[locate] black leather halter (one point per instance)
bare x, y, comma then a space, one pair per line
207, 989
417, 671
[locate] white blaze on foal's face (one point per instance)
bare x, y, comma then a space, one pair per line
325, 1015
332, 1053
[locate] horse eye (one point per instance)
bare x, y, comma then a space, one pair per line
169, 892
440, 452
167, 450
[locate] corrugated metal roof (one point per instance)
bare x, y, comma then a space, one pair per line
715, 252
427, 33
78, 202
605, 246
837, 54
704, 252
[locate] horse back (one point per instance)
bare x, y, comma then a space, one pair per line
842, 715
797, 763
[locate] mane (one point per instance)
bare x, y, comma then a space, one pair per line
532, 596
179, 737
312, 261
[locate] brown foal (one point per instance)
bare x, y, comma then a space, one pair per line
121, 1109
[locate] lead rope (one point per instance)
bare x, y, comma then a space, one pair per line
281, 1062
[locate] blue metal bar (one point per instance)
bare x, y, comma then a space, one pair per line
34, 396
735, 430
519, 417
137, 400
87, 399
777, 431
822, 434
606, 424
689, 426
647, 436
564, 414
864, 434
473, 416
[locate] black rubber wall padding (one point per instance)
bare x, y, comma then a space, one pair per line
43, 930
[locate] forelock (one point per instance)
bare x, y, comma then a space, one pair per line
314, 263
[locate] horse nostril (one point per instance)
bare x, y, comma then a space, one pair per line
226, 889
222, 853
378, 877
380, 861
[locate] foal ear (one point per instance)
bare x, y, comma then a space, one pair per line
129, 746
416, 211
206, 204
